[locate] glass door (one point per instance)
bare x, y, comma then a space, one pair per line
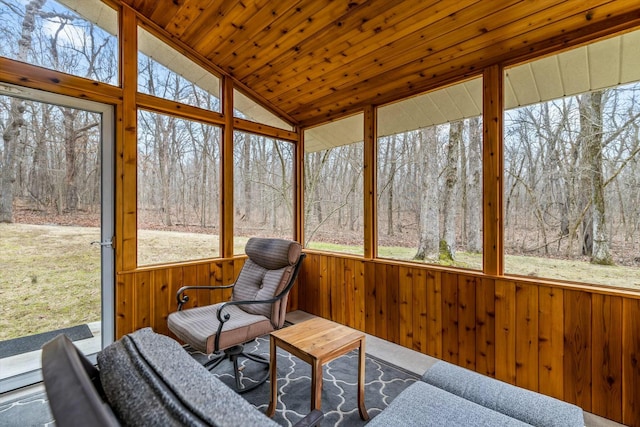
56, 227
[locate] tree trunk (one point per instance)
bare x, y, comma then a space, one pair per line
450, 202
474, 187
429, 243
16, 120
392, 174
71, 186
591, 119
246, 183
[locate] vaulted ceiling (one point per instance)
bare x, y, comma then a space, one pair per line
312, 60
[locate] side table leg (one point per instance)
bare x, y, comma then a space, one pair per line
361, 364
316, 384
273, 378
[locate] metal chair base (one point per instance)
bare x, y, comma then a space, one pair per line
232, 354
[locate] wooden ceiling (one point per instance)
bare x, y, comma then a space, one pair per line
314, 60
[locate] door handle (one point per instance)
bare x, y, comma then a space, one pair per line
103, 243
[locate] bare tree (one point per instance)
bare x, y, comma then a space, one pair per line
450, 201
16, 119
474, 187
429, 242
591, 132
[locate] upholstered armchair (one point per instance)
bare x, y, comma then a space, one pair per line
257, 306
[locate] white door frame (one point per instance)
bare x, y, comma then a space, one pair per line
107, 212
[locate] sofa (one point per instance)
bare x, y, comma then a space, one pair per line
147, 379
143, 379
449, 395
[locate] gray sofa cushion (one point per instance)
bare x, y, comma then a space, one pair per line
524, 405
149, 379
424, 405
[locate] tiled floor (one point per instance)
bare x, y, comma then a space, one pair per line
38, 414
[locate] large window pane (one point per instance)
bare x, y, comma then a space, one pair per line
429, 177
263, 188
178, 189
80, 39
572, 165
333, 187
166, 73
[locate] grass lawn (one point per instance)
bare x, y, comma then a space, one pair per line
50, 275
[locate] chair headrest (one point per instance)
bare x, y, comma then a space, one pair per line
273, 254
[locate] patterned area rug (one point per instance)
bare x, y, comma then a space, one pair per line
384, 382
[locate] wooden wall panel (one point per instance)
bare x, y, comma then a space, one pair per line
450, 317
405, 307
161, 295
631, 362
550, 341
467, 321
392, 318
505, 352
527, 336
607, 356
485, 327
419, 310
359, 297
577, 354
380, 292
142, 300
434, 313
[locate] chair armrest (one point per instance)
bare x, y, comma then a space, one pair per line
313, 418
182, 299
227, 316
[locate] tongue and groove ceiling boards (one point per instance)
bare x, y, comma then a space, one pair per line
315, 60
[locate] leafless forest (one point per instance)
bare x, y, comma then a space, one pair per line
571, 173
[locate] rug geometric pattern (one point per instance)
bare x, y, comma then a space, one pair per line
383, 382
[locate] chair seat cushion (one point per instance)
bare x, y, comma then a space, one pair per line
198, 326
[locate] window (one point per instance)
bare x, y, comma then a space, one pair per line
168, 74
263, 188
178, 189
246, 108
333, 186
572, 165
82, 42
430, 177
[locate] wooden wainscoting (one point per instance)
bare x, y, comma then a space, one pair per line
578, 345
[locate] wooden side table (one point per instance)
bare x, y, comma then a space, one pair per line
317, 342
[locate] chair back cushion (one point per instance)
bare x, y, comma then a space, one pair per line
273, 254
265, 274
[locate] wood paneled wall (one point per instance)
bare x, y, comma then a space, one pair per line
577, 345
